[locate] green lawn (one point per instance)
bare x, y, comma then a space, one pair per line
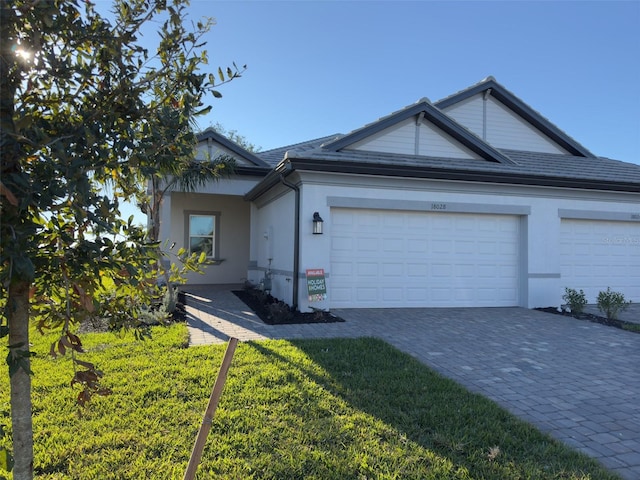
323, 409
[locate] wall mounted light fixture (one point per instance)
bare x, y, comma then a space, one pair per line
317, 223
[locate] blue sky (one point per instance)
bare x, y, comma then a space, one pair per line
317, 68
321, 67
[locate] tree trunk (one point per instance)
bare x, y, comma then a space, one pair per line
18, 314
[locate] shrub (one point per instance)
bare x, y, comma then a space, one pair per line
280, 312
170, 300
610, 303
574, 299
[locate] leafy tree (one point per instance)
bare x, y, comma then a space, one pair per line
236, 137
78, 108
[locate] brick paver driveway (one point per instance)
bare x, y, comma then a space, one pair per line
576, 380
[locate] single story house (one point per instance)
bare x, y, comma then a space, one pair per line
473, 200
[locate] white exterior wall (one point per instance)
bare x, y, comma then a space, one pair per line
499, 126
469, 113
272, 232
505, 129
540, 281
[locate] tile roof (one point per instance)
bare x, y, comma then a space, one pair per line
275, 155
526, 164
578, 169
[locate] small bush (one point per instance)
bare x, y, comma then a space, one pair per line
611, 303
170, 300
280, 312
574, 299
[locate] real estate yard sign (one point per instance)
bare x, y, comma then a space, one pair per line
316, 285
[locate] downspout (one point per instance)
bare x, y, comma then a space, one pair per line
296, 240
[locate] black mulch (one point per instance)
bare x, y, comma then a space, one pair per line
594, 318
260, 305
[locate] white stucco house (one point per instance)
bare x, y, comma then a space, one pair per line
473, 200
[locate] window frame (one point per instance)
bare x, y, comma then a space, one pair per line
216, 230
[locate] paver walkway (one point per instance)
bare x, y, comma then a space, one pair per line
578, 381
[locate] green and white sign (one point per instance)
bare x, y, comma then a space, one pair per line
316, 285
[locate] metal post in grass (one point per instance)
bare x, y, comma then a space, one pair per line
207, 421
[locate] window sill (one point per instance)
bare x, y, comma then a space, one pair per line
215, 261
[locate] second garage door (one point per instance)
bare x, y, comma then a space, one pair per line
385, 258
599, 254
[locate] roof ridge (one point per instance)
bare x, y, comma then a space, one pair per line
229, 144
520, 108
290, 146
486, 79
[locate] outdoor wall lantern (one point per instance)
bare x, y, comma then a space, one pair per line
317, 223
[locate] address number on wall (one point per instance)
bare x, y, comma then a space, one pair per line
438, 206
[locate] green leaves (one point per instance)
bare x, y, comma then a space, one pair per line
18, 359
88, 118
6, 459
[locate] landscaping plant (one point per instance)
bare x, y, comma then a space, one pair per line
86, 112
574, 299
610, 303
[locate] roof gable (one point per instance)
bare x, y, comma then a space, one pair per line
436, 135
212, 144
414, 136
503, 120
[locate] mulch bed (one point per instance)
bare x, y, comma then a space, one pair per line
632, 327
261, 308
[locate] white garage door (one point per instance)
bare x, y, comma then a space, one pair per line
385, 258
600, 254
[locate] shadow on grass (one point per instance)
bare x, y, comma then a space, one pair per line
464, 433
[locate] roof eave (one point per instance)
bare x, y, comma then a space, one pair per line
273, 177
362, 168
232, 146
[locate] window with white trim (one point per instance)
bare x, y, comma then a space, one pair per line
202, 234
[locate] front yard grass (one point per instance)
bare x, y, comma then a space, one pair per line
308, 409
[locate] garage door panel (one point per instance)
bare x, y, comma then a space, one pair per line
443, 247
439, 295
597, 254
441, 271
464, 271
367, 270
487, 248
366, 295
341, 243
392, 294
465, 225
393, 270
465, 247
423, 259
418, 270
393, 245
341, 269
417, 245
508, 294
367, 244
